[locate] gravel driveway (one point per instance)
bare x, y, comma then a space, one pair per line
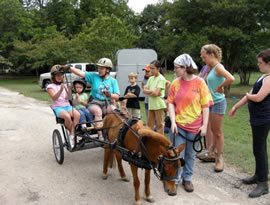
29, 173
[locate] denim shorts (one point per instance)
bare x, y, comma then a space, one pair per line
219, 108
57, 110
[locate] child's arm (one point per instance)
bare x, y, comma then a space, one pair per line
135, 94
263, 92
156, 92
77, 99
147, 91
130, 95
54, 96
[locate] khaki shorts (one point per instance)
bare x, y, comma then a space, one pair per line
100, 103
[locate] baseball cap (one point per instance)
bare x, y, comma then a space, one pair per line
147, 68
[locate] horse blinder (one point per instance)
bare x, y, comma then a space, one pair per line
161, 166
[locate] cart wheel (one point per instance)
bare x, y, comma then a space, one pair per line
58, 148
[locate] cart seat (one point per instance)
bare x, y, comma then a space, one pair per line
59, 120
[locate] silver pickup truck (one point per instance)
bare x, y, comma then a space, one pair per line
44, 79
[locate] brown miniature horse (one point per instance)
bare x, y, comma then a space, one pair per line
155, 144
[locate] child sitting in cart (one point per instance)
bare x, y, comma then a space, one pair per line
80, 101
59, 93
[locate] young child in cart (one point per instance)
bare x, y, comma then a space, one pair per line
80, 101
132, 92
59, 93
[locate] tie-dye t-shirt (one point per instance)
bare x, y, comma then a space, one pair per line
189, 99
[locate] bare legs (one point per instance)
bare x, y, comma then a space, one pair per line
216, 121
67, 116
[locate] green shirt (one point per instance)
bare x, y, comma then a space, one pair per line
83, 97
156, 102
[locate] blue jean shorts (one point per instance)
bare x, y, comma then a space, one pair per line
219, 108
57, 110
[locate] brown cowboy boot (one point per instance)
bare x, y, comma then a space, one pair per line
207, 156
219, 163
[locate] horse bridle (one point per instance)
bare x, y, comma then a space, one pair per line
159, 171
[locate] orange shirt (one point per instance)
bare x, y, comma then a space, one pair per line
189, 99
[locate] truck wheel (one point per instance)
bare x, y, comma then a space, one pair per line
45, 84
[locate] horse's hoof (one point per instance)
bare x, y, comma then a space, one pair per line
125, 179
171, 193
104, 177
139, 202
149, 199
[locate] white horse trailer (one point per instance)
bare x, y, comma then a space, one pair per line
132, 60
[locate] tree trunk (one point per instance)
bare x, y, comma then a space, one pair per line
164, 60
37, 73
244, 76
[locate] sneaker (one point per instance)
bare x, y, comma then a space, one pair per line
71, 141
83, 127
207, 156
188, 186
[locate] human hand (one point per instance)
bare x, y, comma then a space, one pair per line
77, 97
248, 94
174, 127
62, 87
107, 93
232, 112
219, 90
66, 67
203, 130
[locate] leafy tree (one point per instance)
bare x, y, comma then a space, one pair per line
29, 4
4, 61
11, 22
234, 25
62, 14
105, 36
50, 48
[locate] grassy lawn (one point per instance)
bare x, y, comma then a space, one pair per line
237, 132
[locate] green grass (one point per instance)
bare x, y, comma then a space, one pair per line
28, 86
237, 132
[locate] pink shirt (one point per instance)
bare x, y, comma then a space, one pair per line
62, 100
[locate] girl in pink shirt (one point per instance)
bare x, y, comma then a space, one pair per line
59, 94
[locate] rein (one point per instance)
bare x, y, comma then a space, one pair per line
198, 138
158, 169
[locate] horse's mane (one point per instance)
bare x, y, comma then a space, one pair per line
147, 132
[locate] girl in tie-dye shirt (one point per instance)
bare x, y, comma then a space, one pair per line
189, 101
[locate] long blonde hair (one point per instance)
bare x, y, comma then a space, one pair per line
213, 49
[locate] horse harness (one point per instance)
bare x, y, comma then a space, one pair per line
143, 161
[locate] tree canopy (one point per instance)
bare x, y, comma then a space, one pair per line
38, 33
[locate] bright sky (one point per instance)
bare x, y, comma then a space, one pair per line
138, 5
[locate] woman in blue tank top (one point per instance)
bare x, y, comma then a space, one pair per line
218, 77
258, 100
